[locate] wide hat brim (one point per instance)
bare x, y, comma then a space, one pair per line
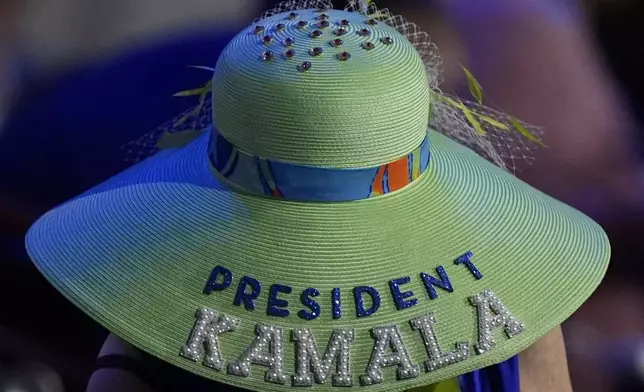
135, 253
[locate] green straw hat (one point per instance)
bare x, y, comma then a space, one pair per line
336, 222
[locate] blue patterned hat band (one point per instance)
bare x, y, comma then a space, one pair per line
297, 182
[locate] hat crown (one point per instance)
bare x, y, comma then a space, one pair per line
322, 88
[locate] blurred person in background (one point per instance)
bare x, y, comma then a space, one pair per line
75, 55
91, 76
52, 54
67, 33
11, 14
542, 64
546, 67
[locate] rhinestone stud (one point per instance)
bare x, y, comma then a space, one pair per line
372, 22
364, 32
280, 26
387, 40
315, 51
292, 15
344, 56
301, 24
368, 45
267, 39
344, 22
259, 29
289, 41
316, 33
289, 53
323, 24
337, 42
340, 31
267, 56
305, 66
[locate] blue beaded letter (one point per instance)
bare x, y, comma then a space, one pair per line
309, 303
277, 306
247, 298
213, 285
465, 260
443, 282
375, 300
336, 304
400, 298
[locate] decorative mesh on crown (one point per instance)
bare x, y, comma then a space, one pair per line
492, 134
